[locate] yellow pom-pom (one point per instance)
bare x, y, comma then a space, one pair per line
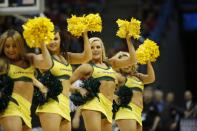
94, 22
134, 30
131, 28
153, 49
123, 28
142, 55
76, 25
38, 30
148, 51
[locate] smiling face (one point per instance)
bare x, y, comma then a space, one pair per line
10, 49
12, 45
96, 50
54, 45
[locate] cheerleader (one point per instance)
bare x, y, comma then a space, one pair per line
100, 109
130, 96
54, 115
16, 116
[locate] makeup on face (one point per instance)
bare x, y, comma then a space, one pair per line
10, 49
55, 43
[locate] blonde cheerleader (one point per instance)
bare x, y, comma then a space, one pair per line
130, 95
100, 108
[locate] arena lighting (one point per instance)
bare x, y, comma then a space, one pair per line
36, 8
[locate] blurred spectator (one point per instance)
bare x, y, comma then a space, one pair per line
170, 98
158, 99
189, 105
170, 117
150, 114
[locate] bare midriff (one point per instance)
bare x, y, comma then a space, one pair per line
24, 89
137, 99
107, 88
66, 86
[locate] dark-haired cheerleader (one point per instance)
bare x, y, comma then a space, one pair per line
54, 115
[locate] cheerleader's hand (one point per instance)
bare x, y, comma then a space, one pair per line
128, 37
83, 91
116, 99
44, 91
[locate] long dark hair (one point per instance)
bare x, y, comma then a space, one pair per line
65, 40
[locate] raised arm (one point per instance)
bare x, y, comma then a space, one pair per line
131, 51
85, 56
150, 76
119, 63
41, 61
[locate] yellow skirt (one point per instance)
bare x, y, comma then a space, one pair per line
102, 105
52, 106
125, 113
23, 109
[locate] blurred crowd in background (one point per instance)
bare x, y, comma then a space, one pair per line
160, 109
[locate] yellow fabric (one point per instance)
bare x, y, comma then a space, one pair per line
125, 113
22, 109
107, 105
136, 112
99, 72
16, 72
134, 82
102, 105
60, 69
52, 106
